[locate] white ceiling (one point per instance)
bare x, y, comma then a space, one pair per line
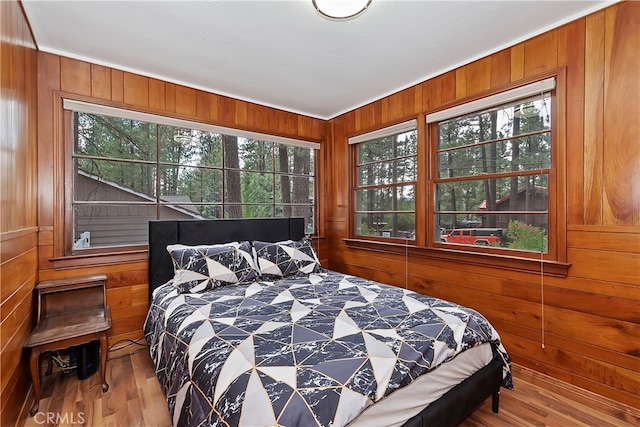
283, 53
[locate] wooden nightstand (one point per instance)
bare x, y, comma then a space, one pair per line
71, 312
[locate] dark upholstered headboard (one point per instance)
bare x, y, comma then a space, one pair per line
189, 232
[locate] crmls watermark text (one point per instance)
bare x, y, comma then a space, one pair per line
58, 418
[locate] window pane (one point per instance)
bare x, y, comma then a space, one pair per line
169, 210
386, 199
190, 147
524, 193
256, 188
183, 173
294, 189
104, 136
503, 122
105, 180
518, 154
187, 185
401, 170
390, 225
255, 155
527, 232
390, 147
111, 225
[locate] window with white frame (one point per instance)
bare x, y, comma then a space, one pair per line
131, 167
385, 182
492, 180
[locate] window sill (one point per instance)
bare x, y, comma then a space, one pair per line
504, 262
100, 259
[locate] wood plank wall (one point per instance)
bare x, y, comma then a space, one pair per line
18, 197
62, 76
592, 317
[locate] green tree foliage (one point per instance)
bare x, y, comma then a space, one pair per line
527, 237
195, 165
477, 157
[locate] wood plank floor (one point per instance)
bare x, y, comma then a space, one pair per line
136, 399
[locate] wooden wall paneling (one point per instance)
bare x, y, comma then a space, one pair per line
571, 52
100, 82
287, 123
202, 105
119, 298
241, 114
605, 306
517, 62
257, 114
595, 286
392, 108
139, 294
428, 94
170, 97
602, 289
540, 53
619, 267
185, 101
136, 90
117, 85
227, 111
417, 99
605, 373
18, 188
13, 272
157, 97
75, 76
461, 82
273, 119
621, 156
611, 334
479, 75
304, 126
500, 68
621, 239
447, 87
593, 118
49, 80
409, 96
319, 130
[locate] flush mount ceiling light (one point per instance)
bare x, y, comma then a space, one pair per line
340, 10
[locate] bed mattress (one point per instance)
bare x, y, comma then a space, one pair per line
317, 349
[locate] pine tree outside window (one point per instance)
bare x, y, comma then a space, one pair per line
493, 175
129, 168
385, 182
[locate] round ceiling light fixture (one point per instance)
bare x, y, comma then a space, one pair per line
340, 10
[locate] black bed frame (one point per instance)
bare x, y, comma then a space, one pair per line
449, 410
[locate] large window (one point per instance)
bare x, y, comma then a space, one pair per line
132, 168
385, 182
492, 172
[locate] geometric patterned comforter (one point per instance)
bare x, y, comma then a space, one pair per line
301, 351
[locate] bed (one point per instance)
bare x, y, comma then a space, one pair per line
313, 348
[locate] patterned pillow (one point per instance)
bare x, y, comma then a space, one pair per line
287, 258
199, 268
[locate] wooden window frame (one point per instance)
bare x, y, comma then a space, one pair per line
63, 152
553, 263
361, 139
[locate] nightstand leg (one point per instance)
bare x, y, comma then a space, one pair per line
35, 378
103, 361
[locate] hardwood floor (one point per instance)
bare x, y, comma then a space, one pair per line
136, 399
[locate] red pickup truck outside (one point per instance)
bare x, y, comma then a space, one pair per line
475, 236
